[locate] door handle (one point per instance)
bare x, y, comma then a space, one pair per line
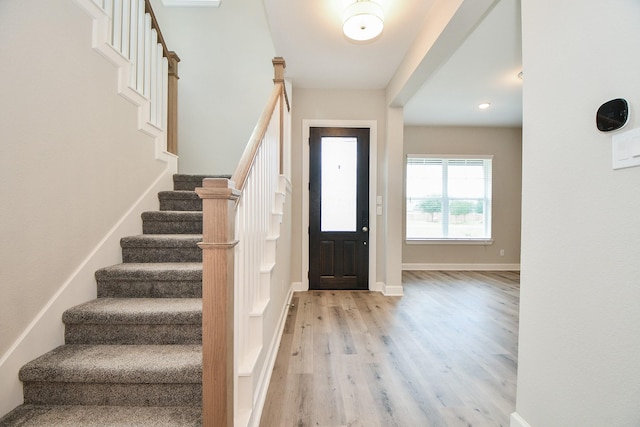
365, 229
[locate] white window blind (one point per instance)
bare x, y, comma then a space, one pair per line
448, 198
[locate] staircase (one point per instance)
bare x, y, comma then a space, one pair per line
133, 356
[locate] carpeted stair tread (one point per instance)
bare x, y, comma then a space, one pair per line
136, 320
178, 194
165, 311
102, 416
191, 182
128, 364
179, 200
172, 216
160, 271
151, 280
161, 241
156, 248
172, 222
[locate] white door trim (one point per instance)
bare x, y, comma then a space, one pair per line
373, 190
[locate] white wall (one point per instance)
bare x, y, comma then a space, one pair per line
225, 79
579, 352
73, 166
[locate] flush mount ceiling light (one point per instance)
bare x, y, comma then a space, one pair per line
363, 20
484, 105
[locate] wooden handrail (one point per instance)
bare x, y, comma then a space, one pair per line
154, 24
239, 176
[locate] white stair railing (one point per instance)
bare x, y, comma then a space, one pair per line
241, 226
130, 28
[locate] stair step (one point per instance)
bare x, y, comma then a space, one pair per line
101, 416
179, 201
172, 222
129, 375
161, 248
191, 182
135, 321
133, 356
150, 280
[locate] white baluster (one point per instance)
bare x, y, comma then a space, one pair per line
147, 56
159, 89
117, 25
108, 8
142, 18
255, 261
133, 43
126, 27
153, 72
165, 93
243, 278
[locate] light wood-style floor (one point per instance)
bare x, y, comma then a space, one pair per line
444, 354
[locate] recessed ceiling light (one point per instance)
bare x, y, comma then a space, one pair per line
484, 105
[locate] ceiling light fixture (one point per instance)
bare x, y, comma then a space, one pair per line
363, 20
484, 105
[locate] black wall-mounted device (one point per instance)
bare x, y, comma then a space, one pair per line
612, 115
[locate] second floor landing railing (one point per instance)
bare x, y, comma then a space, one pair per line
132, 30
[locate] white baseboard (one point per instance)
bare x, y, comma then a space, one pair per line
518, 421
298, 287
46, 331
263, 387
391, 291
460, 267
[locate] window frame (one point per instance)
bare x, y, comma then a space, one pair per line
487, 200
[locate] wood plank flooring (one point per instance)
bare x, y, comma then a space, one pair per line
444, 354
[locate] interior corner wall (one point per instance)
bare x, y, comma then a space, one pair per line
505, 145
578, 361
390, 248
73, 164
327, 104
226, 78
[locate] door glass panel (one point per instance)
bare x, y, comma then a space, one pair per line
339, 167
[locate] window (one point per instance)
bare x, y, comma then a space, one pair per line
448, 198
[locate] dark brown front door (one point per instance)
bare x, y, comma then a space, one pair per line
339, 208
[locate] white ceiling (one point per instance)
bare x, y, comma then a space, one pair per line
308, 34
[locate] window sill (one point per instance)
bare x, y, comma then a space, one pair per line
485, 242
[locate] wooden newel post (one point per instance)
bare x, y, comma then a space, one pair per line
218, 242
172, 101
279, 65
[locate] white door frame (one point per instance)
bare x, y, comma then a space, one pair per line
372, 125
